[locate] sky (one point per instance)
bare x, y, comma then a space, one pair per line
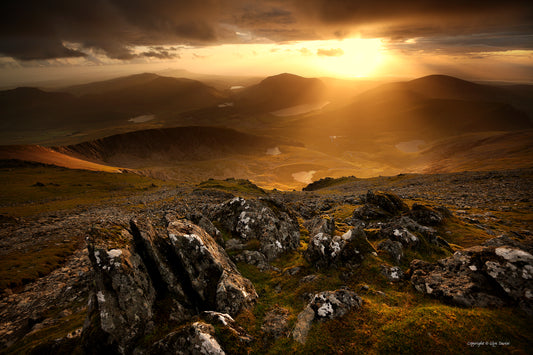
57, 39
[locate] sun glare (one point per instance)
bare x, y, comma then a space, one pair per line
357, 58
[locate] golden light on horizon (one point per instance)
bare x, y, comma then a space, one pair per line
360, 58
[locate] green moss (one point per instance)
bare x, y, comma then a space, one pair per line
423, 327
44, 339
466, 235
64, 189
329, 182
239, 186
343, 212
19, 267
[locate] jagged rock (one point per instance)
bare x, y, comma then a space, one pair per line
429, 233
326, 250
213, 277
234, 244
179, 260
154, 249
393, 274
121, 306
324, 224
229, 324
505, 240
367, 213
324, 305
387, 201
378, 206
393, 248
479, 276
203, 222
305, 210
399, 234
426, 215
253, 257
198, 338
275, 323
266, 220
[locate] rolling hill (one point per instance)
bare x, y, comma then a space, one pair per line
428, 108
431, 124
100, 107
149, 94
168, 145
280, 91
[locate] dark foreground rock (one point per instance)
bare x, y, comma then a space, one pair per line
494, 275
325, 250
197, 338
323, 306
265, 220
175, 261
379, 205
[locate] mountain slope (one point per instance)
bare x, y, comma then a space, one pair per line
33, 108
153, 94
449, 87
101, 87
35, 153
103, 105
280, 91
426, 108
169, 145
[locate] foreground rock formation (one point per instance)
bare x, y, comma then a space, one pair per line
498, 273
266, 221
161, 278
324, 305
174, 263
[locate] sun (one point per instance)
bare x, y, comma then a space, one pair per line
351, 57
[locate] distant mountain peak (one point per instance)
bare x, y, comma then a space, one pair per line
281, 91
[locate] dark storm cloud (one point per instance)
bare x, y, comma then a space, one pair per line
352, 11
31, 48
37, 29
462, 44
160, 53
416, 18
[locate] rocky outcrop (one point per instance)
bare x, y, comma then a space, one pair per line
387, 201
323, 306
427, 215
265, 220
479, 276
398, 233
228, 324
324, 224
253, 257
197, 338
392, 273
325, 250
203, 222
393, 248
121, 305
174, 260
380, 204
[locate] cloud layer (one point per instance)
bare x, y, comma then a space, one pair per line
36, 29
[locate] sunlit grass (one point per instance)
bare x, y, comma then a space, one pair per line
32, 189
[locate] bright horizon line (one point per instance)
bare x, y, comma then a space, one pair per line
58, 83
352, 59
